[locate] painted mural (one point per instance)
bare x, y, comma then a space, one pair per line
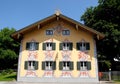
48, 56
32, 56
82, 56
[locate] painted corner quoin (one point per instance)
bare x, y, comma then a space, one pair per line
57, 49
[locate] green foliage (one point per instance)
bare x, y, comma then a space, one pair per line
8, 76
8, 49
105, 18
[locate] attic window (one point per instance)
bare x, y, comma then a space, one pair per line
49, 32
65, 32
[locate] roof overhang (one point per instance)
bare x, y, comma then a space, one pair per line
19, 34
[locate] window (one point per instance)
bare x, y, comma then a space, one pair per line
66, 46
48, 65
65, 32
32, 46
83, 65
49, 32
31, 65
49, 46
83, 46
66, 65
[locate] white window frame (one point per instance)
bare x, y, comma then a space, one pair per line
83, 46
31, 65
66, 66
48, 46
83, 65
49, 65
66, 46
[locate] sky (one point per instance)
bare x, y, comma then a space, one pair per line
21, 13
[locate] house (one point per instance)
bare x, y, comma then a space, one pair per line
57, 49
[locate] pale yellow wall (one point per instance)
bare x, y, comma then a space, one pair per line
39, 35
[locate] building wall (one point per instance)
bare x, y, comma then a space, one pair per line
76, 35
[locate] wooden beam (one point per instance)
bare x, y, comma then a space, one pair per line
18, 36
39, 26
76, 27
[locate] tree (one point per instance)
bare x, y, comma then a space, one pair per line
105, 18
9, 49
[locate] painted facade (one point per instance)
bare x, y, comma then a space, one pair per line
57, 49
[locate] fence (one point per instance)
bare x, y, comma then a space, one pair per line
113, 75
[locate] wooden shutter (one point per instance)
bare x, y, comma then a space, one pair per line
36, 65
43, 65
26, 65
71, 66
61, 46
53, 46
60, 65
36, 46
78, 45
78, 65
87, 46
88, 65
44, 46
27, 46
70, 46
53, 65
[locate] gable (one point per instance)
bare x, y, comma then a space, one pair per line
18, 35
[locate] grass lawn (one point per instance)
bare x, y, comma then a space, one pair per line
8, 77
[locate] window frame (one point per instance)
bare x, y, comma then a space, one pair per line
83, 46
66, 65
50, 66
31, 65
83, 65
50, 32
32, 46
68, 46
65, 32
48, 46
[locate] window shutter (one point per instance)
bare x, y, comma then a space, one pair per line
27, 46
36, 65
78, 65
26, 65
53, 46
60, 46
44, 46
87, 46
43, 65
70, 46
54, 65
88, 65
71, 66
60, 65
36, 46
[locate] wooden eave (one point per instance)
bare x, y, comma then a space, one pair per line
54, 17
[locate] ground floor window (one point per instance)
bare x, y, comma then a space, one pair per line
83, 65
31, 65
66, 65
48, 65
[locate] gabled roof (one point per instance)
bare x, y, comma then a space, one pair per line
16, 35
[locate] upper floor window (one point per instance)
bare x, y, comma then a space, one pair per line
65, 32
83, 46
48, 65
48, 46
83, 65
32, 46
66, 65
49, 32
31, 65
66, 46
